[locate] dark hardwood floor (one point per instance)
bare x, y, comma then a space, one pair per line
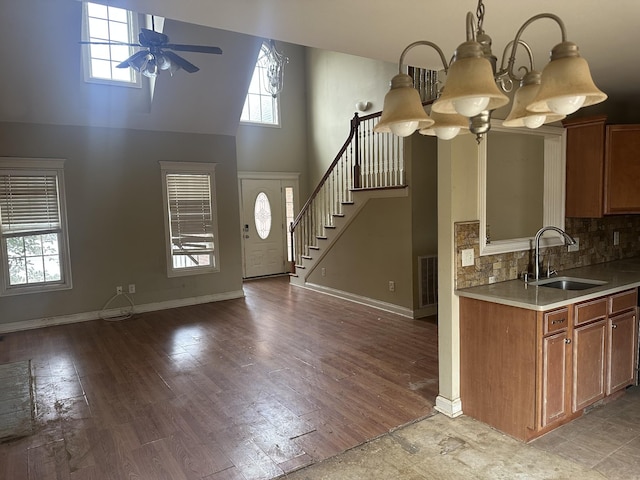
241, 389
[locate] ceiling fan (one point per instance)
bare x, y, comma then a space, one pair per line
157, 54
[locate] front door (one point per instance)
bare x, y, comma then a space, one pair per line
263, 228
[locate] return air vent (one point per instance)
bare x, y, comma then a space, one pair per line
428, 280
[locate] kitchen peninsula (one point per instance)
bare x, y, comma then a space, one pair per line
534, 357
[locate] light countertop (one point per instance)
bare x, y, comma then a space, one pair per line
619, 275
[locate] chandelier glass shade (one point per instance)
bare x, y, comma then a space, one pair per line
446, 125
475, 86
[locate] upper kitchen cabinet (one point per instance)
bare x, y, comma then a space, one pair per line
603, 168
622, 169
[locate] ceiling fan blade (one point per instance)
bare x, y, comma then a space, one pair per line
134, 60
181, 62
111, 43
193, 48
151, 38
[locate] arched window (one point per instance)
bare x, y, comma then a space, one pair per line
261, 106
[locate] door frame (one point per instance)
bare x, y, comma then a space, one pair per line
288, 179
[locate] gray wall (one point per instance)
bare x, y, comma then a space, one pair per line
43, 82
115, 214
336, 82
283, 148
384, 241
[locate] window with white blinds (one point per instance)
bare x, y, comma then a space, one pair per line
190, 213
33, 233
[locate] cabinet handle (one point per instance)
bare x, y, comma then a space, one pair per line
567, 341
554, 322
613, 325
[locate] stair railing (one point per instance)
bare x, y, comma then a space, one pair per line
367, 160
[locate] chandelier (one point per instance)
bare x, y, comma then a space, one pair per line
274, 65
474, 86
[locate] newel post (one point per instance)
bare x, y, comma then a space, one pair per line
355, 128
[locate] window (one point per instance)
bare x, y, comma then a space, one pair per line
260, 106
33, 231
190, 218
102, 23
262, 215
288, 199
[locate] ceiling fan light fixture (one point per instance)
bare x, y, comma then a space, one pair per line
150, 67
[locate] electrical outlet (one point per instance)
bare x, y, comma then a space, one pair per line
467, 257
616, 238
392, 286
492, 279
575, 247
324, 272
132, 288
119, 290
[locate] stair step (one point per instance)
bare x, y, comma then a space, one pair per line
302, 267
293, 275
329, 226
314, 247
338, 215
347, 203
321, 237
307, 257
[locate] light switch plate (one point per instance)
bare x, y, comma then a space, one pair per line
467, 257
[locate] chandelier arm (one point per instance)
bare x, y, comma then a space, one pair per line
423, 42
471, 28
516, 41
509, 68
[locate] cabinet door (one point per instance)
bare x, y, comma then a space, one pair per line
622, 169
554, 378
585, 167
621, 351
588, 364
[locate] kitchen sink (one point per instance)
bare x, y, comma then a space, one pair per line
568, 283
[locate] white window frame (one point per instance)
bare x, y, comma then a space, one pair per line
260, 75
135, 78
37, 166
193, 168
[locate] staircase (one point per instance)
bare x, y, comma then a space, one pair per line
369, 165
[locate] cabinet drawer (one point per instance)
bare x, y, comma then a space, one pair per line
623, 301
556, 321
591, 310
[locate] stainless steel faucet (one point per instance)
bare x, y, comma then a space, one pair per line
536, 257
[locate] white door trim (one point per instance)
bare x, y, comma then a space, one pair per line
288, 179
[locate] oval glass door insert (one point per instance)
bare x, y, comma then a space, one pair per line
262, 215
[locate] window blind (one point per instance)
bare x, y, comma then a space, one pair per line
29, 203
190, 213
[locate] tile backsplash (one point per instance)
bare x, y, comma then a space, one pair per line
596, 246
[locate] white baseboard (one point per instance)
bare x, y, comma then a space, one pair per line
113, 312
371, 302
427, 311
450, 408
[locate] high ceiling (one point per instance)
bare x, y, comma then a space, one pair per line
606, 32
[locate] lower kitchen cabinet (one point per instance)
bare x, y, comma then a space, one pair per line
588, 363
526, 372
621, 350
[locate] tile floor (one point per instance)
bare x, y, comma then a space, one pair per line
604, 444
606, 439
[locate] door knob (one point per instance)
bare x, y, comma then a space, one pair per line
567, 341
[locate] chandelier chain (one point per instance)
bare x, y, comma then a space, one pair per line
480, 15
